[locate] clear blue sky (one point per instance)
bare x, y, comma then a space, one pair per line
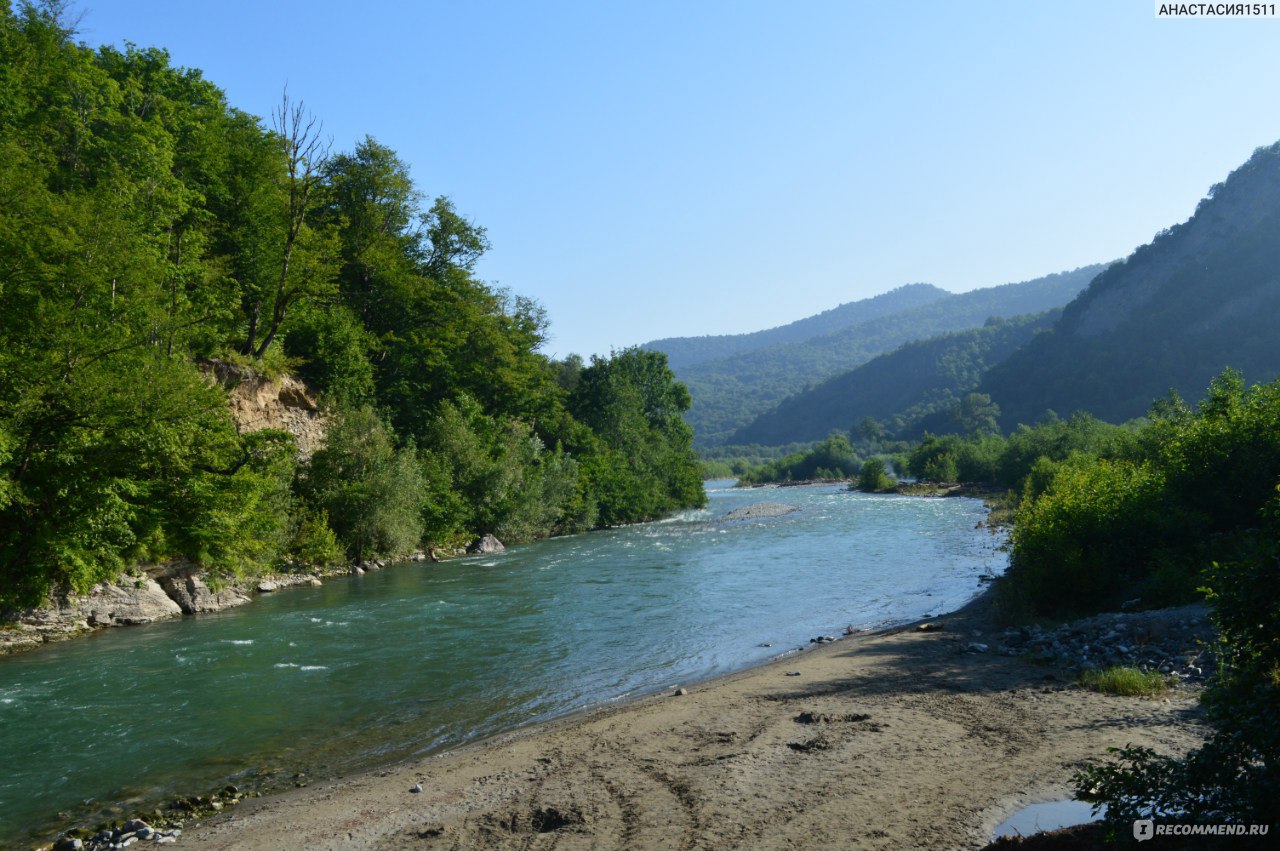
651, 169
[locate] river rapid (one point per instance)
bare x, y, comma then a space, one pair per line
373, 669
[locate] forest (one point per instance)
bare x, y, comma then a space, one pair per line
149, 230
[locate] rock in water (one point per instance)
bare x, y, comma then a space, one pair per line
485, 545
757, 510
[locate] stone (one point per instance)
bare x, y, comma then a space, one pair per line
417, 787
267, 586
976, 647
931, 626
485, 545
793, 673
193, 596
681, 692
313, 581
67, 843
357, 570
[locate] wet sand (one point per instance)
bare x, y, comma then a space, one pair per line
898, 739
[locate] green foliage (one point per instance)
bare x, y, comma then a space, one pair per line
370, 488
873, 477
148, 227
645, 465
941, 468
833, 458
1091, 531
1126, 681
313, 542
1235, 775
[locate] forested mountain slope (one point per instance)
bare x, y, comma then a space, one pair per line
729, 393
1203, 295
687, 351
900, 388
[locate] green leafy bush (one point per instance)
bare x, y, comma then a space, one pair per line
1235, 775
874, 477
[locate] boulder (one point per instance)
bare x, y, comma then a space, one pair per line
131, 601
267, 586
487, 544
192, 595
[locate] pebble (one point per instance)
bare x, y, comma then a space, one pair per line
681, 692
793, 673
417, 787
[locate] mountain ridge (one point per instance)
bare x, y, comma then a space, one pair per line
731, 392
1201, 296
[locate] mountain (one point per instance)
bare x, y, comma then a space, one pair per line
906, 385
730, 392
1203, 295
687, 351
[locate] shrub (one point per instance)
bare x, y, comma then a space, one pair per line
1235, 776
874, 477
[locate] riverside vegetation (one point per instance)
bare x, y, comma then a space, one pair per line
149, 227
1179, 506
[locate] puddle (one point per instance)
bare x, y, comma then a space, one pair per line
1050, 816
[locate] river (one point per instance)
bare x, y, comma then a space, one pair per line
421, 657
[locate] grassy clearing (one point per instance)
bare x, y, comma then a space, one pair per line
1125, 681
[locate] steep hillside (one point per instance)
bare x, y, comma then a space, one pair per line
729, 393
687, 351
1203, 295
905, 385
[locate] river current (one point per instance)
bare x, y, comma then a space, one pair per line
417, 658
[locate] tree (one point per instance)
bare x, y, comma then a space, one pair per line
977, 414
283, 260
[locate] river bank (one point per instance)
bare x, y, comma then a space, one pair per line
903, 738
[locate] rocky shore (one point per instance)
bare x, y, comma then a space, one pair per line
152, 593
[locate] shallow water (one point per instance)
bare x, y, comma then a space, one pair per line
1048, 816
414, 659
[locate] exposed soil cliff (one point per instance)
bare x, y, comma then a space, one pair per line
258, 402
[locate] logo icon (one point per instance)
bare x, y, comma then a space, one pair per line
1143, 829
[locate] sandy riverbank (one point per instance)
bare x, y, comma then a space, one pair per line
893, 740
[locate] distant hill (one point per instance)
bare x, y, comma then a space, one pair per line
731, 392
1203, 295
687, 351
916, 380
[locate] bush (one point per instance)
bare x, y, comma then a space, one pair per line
1085, 542
874, 477
370, 489
1235, 776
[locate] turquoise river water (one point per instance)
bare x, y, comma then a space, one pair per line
414, 659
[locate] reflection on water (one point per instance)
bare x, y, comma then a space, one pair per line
1051, 816
406, 661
